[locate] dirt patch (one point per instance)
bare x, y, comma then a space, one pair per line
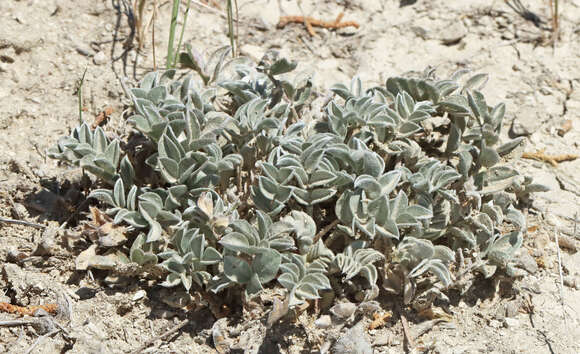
45, 46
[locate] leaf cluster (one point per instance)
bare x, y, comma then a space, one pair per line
232, 183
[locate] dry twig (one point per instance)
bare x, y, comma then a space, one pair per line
149, 342
40, 339
540, 155
27, 310
311, 22
561, 284
21, 222
407, 332
325, 230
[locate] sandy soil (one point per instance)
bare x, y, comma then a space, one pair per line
46, 45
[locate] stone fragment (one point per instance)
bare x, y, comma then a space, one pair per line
84, 50
494, 324
511, 322
139, 295
518, 129
354, 341
343, 310
323, 322
525, 261
454, 33
253, 52
100, 58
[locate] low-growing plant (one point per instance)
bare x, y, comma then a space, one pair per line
235, 182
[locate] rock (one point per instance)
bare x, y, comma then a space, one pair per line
343, 310
518, 129
454, 33
323, 322
253, 52
100, 58
420, 32
572, 282
178, 299
46, 243
16, 277
494, 324
354, 341
528, 119
89, 259
546, 178
19, 211
84, 50
220, 341
525, 261
85, 293
265, 13
512, 308
139, 295
511, 322
370, 6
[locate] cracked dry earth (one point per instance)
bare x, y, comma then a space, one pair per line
46, 45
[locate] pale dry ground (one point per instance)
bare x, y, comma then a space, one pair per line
46, 45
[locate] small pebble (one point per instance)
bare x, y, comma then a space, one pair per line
323, 322
139, 295
354, 341
84, 50
100, 58
511, 322
518, 129
494, 324
454, 33
343, 310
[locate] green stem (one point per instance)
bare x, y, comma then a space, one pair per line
174, 13
80, 96
181, 35
231, 27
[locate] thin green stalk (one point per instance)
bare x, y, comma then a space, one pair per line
80, 96
181, 35
231, 34
174, 13
237, 27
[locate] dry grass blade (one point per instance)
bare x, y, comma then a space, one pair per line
407, 332
139, 13
554, 9
172, 330
21, 222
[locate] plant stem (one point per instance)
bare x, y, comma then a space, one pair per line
230, 9
80, 96
181, 35
174, 13
153, 18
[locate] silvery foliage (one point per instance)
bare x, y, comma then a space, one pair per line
403, 198
91, 150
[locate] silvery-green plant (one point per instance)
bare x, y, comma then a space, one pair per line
91, 150
188, 260
235, 183
358, 259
